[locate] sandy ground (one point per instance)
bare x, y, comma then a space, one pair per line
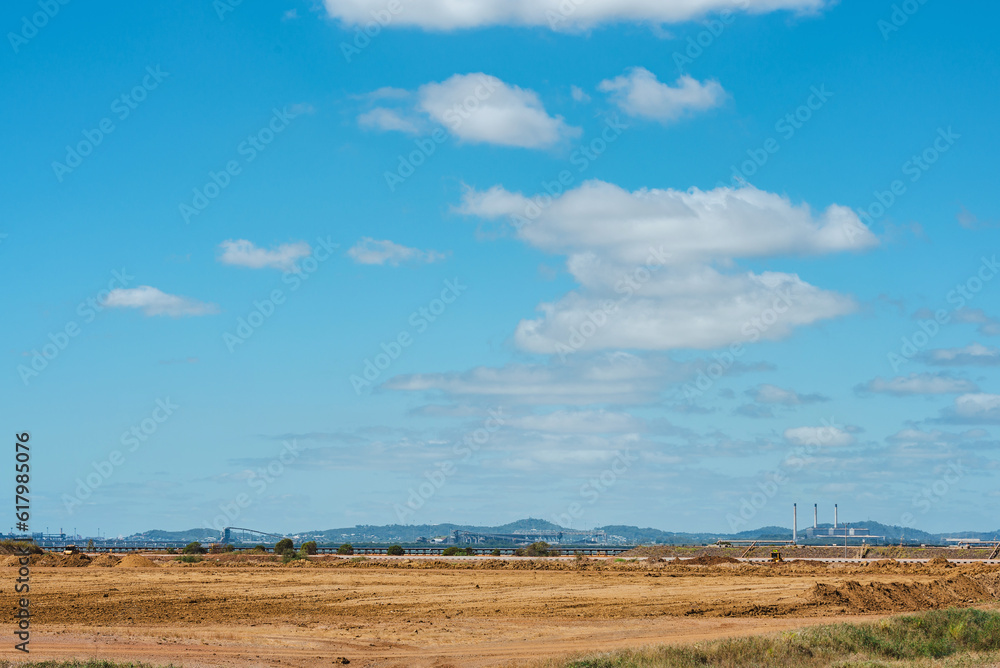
423, 613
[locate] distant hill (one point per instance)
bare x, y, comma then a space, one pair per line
399, 533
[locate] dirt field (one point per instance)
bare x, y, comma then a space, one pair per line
247, 611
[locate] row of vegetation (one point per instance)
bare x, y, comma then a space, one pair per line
954, 637
286, 548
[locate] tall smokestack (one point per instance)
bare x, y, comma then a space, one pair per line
835, 516
795, 522
815, 516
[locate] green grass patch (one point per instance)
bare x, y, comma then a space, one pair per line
189, 559
954, 637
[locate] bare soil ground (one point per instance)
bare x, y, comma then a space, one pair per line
239, 610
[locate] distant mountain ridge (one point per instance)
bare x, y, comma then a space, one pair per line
630, 534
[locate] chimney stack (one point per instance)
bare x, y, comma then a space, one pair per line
795, 522
815, 516
835, 516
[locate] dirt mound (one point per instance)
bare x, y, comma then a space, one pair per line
939, 561
708, 561
53, 560
901, 596
135, 561
105, 560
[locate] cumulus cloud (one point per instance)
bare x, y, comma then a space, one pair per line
919, 383
639, 93
654, 256
554, 14
243, 253
154, 302
974, 354
772, 394
977, 408
371, 251
819, 436
475, 108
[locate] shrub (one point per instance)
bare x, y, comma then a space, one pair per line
346, 548
451, 551
309, 547
189, 559
396, 550
193, 548
258, 549
539, 549
171, 550
282, 545
289, 555
495, 552
519, 552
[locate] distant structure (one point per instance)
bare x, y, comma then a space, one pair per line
555, 537
817, 532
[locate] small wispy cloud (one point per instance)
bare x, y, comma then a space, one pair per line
153, 302
243, 253
372, 251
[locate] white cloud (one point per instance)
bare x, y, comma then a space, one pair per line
579, 95
974, 354
772, 394
555, 14
154, 302
919, 383
475, 108
695, 225
639, 93
389, 120
977, 408
290, 15
243, 253
371, 251
478, 108
674, 241
819, 436
617, 378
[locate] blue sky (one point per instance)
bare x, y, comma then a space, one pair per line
658, 263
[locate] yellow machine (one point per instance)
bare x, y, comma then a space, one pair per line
776, 557
71, 549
